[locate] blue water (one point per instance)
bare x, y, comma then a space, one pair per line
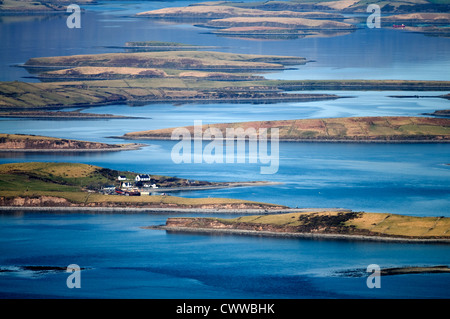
408, 179
123, 260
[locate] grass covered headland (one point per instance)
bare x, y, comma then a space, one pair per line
352, 129
24, 142
316, 224
80, 185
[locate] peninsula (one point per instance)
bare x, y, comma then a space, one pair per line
329, 224
80, 186
337, 6
23, 7
353, 129
442, 113
62, 115
138, 78
300, 19
229, 19
35, 143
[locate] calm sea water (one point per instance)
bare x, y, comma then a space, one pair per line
124, 261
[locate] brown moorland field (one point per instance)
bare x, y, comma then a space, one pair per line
23, 142
225, 11
281, 22
331, 129
185, 86
183, 60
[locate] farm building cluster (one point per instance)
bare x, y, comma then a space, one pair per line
141, 185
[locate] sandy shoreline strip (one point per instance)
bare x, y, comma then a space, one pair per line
299, 235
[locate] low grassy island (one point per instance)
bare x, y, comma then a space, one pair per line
428, 23
35, 143
330, 224
302, 18
81, 186
22, 7
229, 19
30, 7
419, 18
139, 78
145, 46
277, 22
182, 60
353, 129
441, 113
338, 6
228, 10
61, 115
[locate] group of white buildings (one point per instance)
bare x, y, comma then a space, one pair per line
145, 179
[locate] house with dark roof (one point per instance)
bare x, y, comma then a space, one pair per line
142, 178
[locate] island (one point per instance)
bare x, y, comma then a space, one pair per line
419, 18
352, 129
142, 46
227, 18
139, 78
321, 225
301, 19
36, 143
441, 113
392, 271
149, 77
27, 7
184, 60
428, 23
76, 186
339, 6
222, 10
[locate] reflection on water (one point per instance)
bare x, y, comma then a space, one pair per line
396, 178
124, 260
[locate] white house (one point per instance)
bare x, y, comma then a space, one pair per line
142, 178
121, 178
126, 185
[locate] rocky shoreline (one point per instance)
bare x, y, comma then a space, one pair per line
312, 224
317, 236
387, 129
122, 147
